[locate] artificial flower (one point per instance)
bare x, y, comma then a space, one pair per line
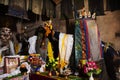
91, 67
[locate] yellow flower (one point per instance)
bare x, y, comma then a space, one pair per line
52, 63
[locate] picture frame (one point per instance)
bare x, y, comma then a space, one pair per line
11, 63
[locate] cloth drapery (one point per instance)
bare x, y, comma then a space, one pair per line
32, 41
65, 48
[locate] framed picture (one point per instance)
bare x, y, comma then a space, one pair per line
11, 63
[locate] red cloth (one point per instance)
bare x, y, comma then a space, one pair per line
40, 77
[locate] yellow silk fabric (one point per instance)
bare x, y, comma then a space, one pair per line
50, 51
63, 53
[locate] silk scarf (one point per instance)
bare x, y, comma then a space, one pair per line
65, 48
93, 40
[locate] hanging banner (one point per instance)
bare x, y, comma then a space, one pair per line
78, 46
93, 39
87, 41
17, 8
37, 6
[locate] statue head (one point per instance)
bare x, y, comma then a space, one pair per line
5, 34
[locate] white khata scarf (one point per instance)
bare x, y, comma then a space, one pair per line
65, 48
32, 44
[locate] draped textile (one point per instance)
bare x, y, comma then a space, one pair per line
55, 43
87, 40
66, 9
17, 8
12, 50
78, 47
32, 41
87, 43
41, 48
65, 48
50, 51
83, 40
37, 6
18, 46
94, 40
41, 43
48, 10
23, 40
7, 49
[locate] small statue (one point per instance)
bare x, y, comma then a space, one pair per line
94, 16
67, 72
23, 69
89, 14
80, 15
36, 63
85, 14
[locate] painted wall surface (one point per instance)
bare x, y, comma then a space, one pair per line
108, 25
